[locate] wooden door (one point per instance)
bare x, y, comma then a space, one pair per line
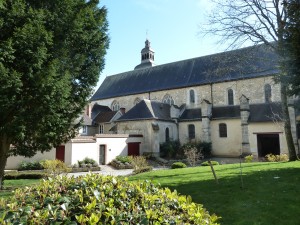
134, 148
102, 152
60, 153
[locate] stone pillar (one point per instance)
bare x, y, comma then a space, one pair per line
293, 123
206, 111
245, 113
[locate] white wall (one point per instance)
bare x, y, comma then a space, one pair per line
14, 161
83, 150
115, 145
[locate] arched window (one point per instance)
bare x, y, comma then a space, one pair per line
268, 93
136, 101
222, 130
168, 99
230, 97
115, 106
191, 129
167, 134
192, 96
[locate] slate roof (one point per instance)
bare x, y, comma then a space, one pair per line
99, 108
265, 112
104, 117
226, 112
191, 114
147, 109
243, 63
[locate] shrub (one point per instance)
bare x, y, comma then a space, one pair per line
169, 149
192, 155
23, 175
277, 158
248, 158
205, 148
138, 161
143, 169
124, 159
55, 167
178, 165
33, 165
206, 163
96, 199
87, 162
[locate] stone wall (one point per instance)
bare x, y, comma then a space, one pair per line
215, 93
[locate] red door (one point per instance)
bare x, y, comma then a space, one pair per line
134, 148
60, 153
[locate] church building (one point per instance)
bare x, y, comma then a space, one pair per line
229, 99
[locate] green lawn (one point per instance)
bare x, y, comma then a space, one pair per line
271, 192
10, 185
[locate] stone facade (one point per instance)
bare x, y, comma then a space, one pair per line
233, 112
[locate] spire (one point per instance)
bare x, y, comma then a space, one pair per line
147, 56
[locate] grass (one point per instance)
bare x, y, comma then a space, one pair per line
270, 193
10, 185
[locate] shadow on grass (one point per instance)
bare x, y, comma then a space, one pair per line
258, 197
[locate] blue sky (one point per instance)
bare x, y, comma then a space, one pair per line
173, 30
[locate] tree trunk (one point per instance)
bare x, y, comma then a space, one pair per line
4, 148
287, 123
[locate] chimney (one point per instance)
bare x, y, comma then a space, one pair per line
122, 110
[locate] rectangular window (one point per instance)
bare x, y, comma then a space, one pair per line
222, 130
191, 129
84, 129
230, 97
101, 129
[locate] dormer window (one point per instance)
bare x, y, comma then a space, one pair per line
84, 129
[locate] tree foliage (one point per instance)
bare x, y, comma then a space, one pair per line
292, 43
51, 53
242, 22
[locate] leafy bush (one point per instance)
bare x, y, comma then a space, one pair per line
143, 169
178, 165
86, 162
138, 162
169, 149
55, 167
96, 199
33, 165
206, 163
205, 148
124, 159
277, 158
248, 158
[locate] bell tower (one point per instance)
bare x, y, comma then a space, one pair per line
147, 56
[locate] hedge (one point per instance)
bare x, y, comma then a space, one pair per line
96, 199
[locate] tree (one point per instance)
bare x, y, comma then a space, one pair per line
257, 21
51, 53
292, 43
